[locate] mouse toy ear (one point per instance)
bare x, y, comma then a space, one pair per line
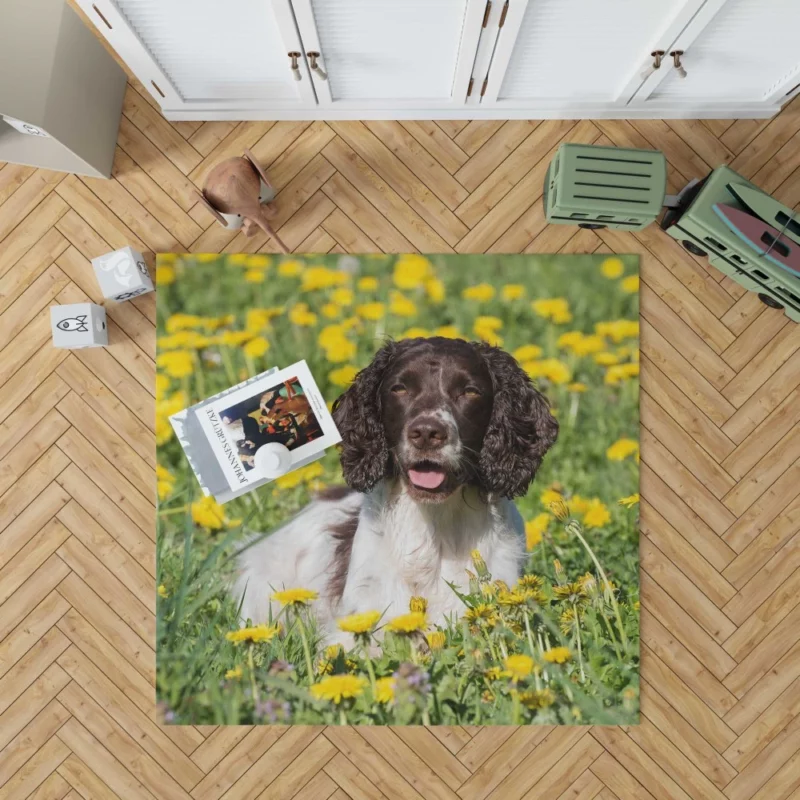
213, 211
357, 415
521, 429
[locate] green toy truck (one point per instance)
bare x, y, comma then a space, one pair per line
608, 187
700, 230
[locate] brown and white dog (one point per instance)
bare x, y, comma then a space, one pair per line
438, 436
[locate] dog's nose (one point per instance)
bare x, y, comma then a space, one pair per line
427, 433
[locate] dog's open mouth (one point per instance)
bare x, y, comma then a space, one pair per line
427, 475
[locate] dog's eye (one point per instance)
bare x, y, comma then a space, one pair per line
471, 391
398, 388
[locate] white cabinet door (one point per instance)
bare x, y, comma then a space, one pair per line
390, 54
734, 51
208, 54
578, 54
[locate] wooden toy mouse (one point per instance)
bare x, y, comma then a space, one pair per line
237, 193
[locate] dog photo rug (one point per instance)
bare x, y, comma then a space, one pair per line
467, 555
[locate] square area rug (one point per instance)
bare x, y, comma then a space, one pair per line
467, 554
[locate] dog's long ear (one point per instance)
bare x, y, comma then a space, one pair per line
521, 429
357, 414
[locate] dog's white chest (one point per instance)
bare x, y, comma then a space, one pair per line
403, 550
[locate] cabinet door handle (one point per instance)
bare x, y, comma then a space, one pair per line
315, 68
676, 62
657, 56
295, 67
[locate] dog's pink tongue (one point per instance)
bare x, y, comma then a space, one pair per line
427, 479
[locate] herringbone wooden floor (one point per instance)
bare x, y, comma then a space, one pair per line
720, 471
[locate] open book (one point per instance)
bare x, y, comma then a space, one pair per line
220, 435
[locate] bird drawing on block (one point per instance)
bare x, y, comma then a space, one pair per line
238, 194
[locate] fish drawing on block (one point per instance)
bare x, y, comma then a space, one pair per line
77, 324
763, 238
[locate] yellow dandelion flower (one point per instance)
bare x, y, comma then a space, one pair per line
548, 496
165, 482
342, 296
322, 278
486, 328
257, 261
597, 515
256, 348
587, 345
510, 598
300, 315
577, 388
295, 597
236, 672
577, 504
208, 513
435, 290
162, 591
257, 319
332, 651
537, 698
557, 655
448, 332
482, 292
534, 530
559, 509
518, 666
630, 285
371, 311
258, 633
480, 614
528, 352
512, 291
336, 688
290, 269
621, 372
359, 623
324, 667
234, 338
177, 363
550, 368
555, 309
254, 276
367, 284
606, 359
621, 449
571, 592
408, 623
493, 674
299, 476
410, 271
330, 310
629, 501
530, 582
618, 329
165, 275
343, 376
436, 639
417, 603
612, 268
568, 620
401, 306
384, 690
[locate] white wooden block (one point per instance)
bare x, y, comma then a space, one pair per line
79, 325
122, 274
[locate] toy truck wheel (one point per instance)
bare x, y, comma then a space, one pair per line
592, 226
769, 301
693, 248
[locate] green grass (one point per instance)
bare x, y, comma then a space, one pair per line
457, 683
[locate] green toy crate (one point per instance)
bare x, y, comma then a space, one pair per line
695, 224
605, 187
